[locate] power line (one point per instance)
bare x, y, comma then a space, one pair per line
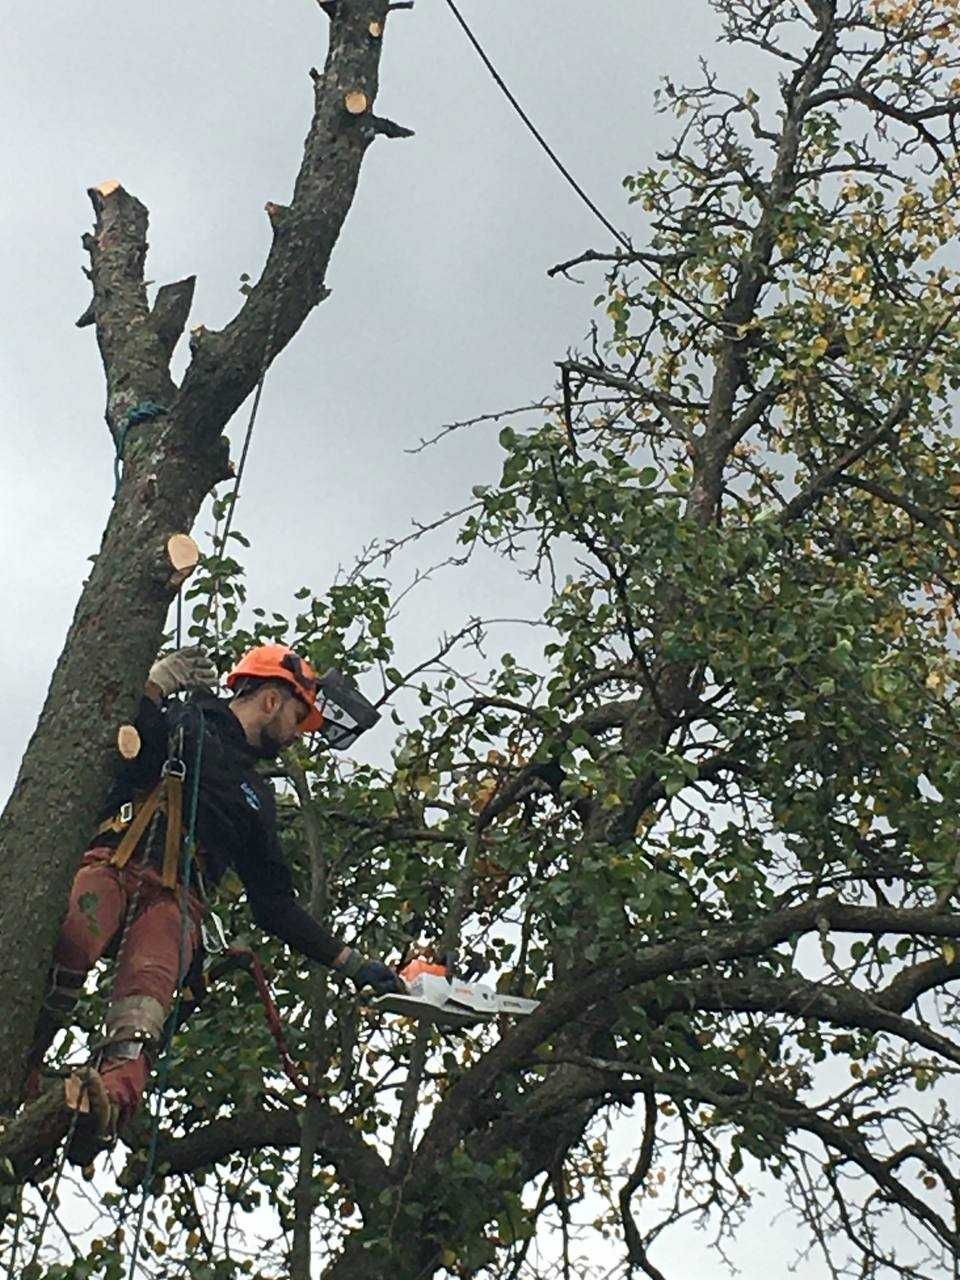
591, 205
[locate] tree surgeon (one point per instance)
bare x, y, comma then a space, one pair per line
125, 899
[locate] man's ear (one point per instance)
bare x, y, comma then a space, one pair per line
272, 699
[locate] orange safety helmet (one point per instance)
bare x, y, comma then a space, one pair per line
278, 662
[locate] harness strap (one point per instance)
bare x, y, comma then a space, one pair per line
167, 795
134, 833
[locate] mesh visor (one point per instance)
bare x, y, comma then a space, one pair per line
346, 712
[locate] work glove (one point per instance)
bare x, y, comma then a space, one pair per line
183, 669
371, 973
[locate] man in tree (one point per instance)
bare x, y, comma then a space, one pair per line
125, 898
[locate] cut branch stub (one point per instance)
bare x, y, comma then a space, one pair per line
106, 188
376, 30
356, 102
184, 555
128, 741
276, 212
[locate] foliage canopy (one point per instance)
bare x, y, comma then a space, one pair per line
714, 826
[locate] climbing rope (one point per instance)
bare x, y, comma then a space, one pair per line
187, 852
51, 1196
220, 545
272, 1015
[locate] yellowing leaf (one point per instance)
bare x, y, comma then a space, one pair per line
936, 681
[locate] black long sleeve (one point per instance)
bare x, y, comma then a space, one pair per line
282, 916
236, 814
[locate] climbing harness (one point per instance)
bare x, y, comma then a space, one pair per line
133, 819
187, 859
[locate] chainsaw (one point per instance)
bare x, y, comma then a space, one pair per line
434, 995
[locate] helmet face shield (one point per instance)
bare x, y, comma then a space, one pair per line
335, 706
346, 712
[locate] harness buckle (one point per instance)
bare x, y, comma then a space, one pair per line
126, 813
174, 769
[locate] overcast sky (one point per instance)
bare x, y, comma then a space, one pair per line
441, 308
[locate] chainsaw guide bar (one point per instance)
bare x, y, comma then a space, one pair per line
433, 997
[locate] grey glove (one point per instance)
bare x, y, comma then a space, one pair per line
188, 668
371, 973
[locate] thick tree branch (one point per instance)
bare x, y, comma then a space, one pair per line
922, 515
907, 987
693, 949
226, 363
357, 1164
792, 994
135, 359
29, 1139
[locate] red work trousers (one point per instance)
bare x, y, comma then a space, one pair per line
149, 962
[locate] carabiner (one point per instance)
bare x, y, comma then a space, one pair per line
214, 937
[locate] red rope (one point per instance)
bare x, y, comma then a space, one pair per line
272, 1014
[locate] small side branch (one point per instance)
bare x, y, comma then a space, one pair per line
171, 308
389, 128
636, 1251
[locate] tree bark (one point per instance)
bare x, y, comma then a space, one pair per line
172, 461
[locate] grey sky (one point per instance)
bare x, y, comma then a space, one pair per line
441, 308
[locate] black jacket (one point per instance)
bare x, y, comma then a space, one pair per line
236, 812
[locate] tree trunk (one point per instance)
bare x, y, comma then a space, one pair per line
172, 461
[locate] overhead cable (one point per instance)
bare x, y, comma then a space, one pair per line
591, 205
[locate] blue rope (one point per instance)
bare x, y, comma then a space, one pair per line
142, 411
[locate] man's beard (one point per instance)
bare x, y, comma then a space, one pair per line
269, 745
